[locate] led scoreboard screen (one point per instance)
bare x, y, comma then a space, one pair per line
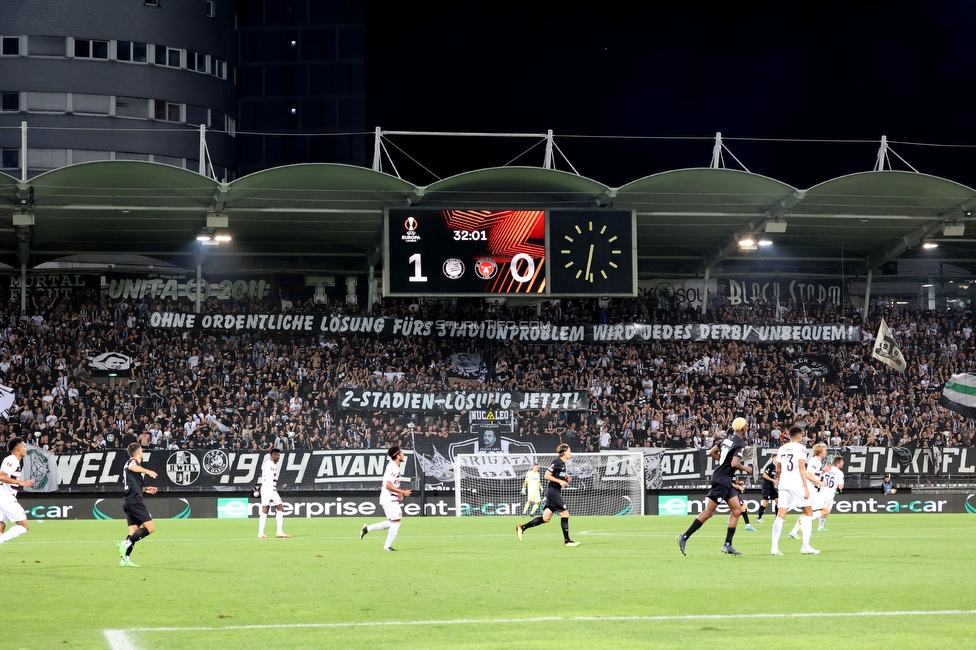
444, 252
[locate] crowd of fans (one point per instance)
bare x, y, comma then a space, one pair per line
190, 390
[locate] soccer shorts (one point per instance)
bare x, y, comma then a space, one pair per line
10, 510
792, 499
136, 513
770, 493
393, 511
269, 497
818, 500
722, 493
554, 502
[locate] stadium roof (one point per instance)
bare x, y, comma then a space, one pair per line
306, 217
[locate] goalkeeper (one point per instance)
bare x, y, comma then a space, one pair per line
532, 490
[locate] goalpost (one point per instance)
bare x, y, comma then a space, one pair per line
604, 484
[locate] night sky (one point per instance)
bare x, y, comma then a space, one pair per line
820, 70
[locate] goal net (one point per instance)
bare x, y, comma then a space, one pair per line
609, 483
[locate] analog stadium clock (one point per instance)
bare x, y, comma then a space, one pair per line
591, 252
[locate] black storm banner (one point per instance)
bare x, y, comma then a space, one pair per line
530, 331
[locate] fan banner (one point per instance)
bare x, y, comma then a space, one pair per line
959, 394
314, 323
357, 399
40, 466
230, 471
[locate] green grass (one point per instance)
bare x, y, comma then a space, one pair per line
64, 588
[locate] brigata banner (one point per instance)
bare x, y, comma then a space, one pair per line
183, 286
357, 399
222, 470
532, 331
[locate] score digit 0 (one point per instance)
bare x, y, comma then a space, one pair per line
529, 267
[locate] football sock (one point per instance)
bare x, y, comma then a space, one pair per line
262, 519
805, 526
729, 534
390, 536
762, 509
695, 525
532, 524
135, 537
383, 525
823, 521
15, 531
525, 508
777, 531
745, 516
564, 522
280, 520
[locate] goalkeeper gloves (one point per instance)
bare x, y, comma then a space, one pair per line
523, 492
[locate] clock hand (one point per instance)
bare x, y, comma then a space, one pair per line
589, 260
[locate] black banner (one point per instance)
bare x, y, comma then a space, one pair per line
357, 399
529, 331
64, 286
217, 469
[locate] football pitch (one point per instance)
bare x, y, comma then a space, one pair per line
880, 581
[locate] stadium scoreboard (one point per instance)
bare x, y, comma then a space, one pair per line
478, 253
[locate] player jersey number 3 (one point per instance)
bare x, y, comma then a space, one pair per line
789, 462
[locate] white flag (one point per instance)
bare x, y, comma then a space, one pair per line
885, 349
7, 396
40, 466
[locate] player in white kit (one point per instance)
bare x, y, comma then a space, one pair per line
815, 470
269, 494
390, 497
833, 480
10, 509
794, 491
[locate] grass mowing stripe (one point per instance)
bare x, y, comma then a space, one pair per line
540, 619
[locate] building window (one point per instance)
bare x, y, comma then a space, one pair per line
46, 46
211, 9
10, 102
218, 68
152, 3
11, 46
134, 107
196, 61
167, 111
90, 104
129, 51
88, 49
169, 56
10, 158
47, 102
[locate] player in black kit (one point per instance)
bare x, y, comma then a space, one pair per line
728, 453
558, 478
140, 521
770, 493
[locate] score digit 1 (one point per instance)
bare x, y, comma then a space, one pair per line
417, 272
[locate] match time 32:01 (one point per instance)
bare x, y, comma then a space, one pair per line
470, 235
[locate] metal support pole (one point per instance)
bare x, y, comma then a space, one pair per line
867, 298
203, 150
547, 163
717, 151
704, 307
370, 290
377, 157
23, 152
199, 296
23, 287
882, 154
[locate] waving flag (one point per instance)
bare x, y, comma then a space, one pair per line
886, 351
959, 394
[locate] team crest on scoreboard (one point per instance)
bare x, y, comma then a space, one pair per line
486, 268
453, 268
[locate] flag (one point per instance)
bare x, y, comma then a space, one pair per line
7, 396
467, 366
885, 349
959, 394
40, 466
810, 366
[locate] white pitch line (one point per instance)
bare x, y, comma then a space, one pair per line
117, 640
542, 619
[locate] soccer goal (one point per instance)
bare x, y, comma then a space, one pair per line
609, 483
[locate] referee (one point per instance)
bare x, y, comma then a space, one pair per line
558, 478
